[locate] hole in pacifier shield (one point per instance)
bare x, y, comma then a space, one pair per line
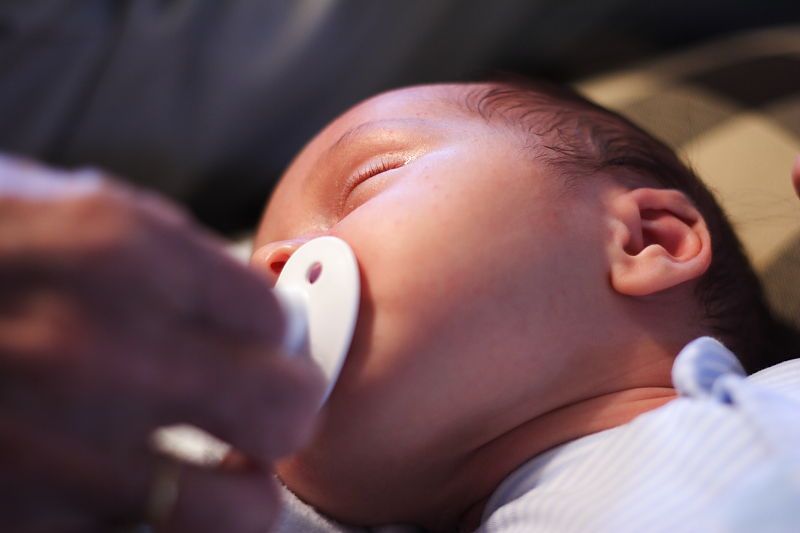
314, 272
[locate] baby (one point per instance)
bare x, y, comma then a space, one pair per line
531, 265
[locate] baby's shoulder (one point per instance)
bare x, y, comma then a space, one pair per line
722, 456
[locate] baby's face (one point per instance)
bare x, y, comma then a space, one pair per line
477, 271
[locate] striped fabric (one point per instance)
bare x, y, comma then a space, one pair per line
724, 456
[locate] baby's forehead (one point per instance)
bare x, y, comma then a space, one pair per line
423, 107
421, 101
515, 109
455, 107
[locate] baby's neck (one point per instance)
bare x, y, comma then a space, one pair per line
485, 469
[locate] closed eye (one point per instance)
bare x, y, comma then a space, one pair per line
369, 170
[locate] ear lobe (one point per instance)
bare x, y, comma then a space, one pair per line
660, 241
270, 258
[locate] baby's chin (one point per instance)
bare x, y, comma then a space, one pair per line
347, 476
320, 485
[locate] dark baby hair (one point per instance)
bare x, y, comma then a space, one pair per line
579, 138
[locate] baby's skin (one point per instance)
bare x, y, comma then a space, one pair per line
502, 313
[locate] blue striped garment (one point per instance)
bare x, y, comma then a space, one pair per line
723, 456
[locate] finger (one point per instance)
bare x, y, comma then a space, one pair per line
55, 483
60, 484
52, 479
796, 175
219, 290
210, 501
263, 405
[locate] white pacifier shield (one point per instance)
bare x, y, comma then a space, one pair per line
319, 289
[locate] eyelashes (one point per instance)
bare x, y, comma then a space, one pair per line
373, 169
367, 171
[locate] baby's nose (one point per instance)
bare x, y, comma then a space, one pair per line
270, 258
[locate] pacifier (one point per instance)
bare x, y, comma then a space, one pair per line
319, 292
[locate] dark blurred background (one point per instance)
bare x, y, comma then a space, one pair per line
207, 101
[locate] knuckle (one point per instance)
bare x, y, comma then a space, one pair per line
42, 328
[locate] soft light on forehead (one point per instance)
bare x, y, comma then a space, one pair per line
424, 101
418, 108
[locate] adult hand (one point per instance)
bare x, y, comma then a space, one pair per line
119, 316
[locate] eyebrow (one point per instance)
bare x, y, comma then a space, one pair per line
352, 133
359, 130
384, 124
461, 102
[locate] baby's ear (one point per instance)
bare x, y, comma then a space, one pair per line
659, 240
